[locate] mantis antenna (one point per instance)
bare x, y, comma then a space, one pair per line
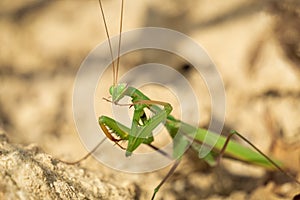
119, 47
115, 67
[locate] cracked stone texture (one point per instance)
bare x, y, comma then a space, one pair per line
28, 173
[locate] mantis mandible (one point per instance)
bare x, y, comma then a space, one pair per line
142, 127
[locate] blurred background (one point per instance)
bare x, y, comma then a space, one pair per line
254, 44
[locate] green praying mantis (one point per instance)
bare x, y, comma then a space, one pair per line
141, 133
182, 134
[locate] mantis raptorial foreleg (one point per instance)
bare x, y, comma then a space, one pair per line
139, 133
142, 133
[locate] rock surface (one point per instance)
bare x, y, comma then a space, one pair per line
28, 173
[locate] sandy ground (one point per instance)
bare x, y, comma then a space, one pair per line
255, 46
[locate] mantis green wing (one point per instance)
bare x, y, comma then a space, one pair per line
234, 150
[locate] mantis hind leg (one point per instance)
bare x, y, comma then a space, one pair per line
233, 132
105, 122
87, 155
171, 171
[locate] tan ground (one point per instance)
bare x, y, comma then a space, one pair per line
254, 44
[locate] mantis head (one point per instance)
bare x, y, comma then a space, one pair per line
117, 91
